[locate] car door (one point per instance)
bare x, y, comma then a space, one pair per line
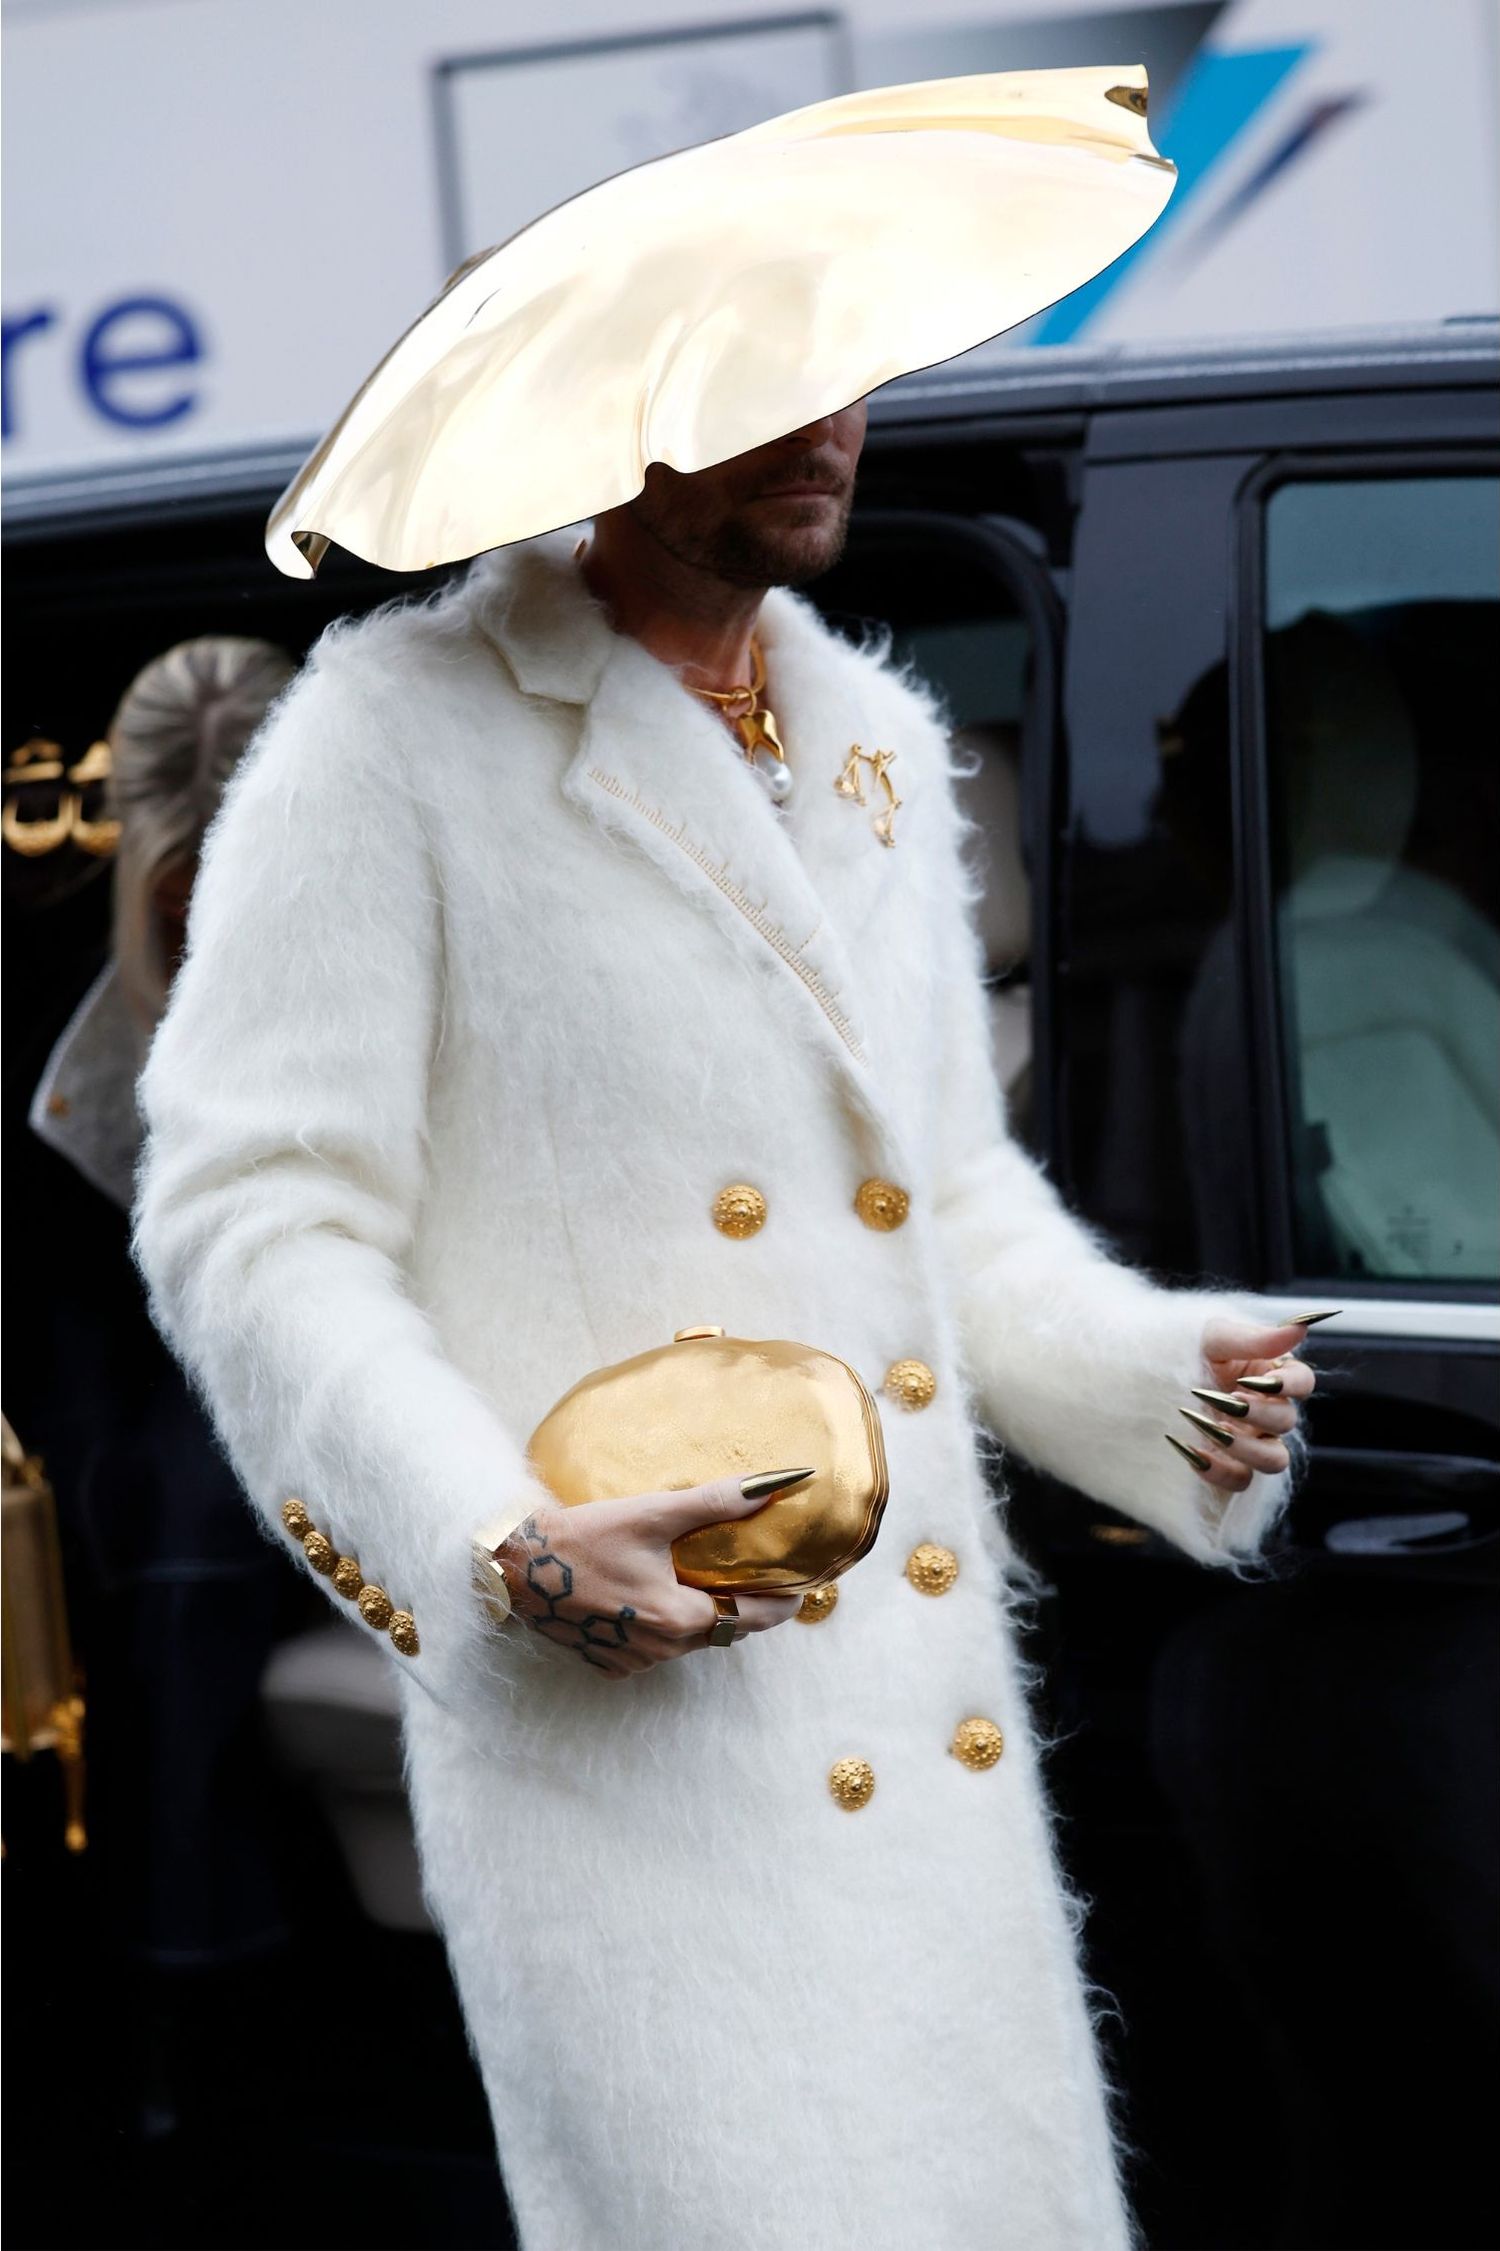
1273, 994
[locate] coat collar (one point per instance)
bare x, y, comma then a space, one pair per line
653, 765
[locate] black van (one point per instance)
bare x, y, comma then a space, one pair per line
1217, 628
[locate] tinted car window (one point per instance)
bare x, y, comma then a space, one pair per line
1382, 604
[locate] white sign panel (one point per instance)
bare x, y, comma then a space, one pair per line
220, 213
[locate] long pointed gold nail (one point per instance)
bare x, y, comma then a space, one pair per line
765, 1482
1267, 1386
1200, 1462
1225, 1401
1310, 1320
1216, 1431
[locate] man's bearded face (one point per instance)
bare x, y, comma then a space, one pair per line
777, 516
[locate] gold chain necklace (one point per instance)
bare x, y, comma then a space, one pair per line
755, 723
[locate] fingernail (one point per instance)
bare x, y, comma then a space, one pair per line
1200, 1462
1225, 1401
1268, 1386
1216, 1431
765, 1482
1310, 1320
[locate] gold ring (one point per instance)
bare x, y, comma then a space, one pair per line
721, 1632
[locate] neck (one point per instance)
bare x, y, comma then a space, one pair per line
698, 624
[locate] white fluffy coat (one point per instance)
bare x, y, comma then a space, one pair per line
502, 965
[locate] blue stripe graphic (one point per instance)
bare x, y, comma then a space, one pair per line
1213, 102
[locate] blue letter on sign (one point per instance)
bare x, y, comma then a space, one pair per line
105, 368
13, 333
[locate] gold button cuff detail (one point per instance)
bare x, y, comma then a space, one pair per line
881, 1204
931, 1569
376, 1608
911, 1383
296, 1519
347, 1578
403, 1632
739, 1211
851, 1783
977, 1744
320, 1552
817, 1604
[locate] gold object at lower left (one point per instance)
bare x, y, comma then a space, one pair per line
43, 1699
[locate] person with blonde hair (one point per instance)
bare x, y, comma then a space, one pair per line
178, 1598
174, 741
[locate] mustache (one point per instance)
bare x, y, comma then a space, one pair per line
809, 469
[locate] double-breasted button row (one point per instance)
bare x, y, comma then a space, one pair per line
930, 1569
977, 1744
739, 1210
911, 1383
343, 1572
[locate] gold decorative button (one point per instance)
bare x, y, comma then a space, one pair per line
817, 1604
376, 1607
296, 1519
977, 1743
852, 1783
403, 1632
881, 1204
739, 1210
320, 1552
931, 1569
911, 1383
347, 1578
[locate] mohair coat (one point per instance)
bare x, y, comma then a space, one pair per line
502, 965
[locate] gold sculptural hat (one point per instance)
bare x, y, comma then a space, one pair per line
711, 301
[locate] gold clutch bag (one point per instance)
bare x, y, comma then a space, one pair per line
709, 1406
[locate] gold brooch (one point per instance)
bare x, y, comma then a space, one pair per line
851, 783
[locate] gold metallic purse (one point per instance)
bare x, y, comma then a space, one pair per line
709, 1406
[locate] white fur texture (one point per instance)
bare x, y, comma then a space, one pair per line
502, 965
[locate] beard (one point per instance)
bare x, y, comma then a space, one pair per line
742, 552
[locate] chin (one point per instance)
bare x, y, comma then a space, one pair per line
793, 558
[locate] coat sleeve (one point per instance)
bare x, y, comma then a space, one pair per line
1076, 1361
285, 1104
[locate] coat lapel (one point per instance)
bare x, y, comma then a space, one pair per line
654, 766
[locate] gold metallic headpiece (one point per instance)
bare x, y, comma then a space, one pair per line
712, 301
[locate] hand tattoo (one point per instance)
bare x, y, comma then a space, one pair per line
549, 1583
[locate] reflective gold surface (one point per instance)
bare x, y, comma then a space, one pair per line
817, 1604
403, 1632
977, 1743
708, 302
932, 1569
881, 1205
852, 1783
376, 1608
739, 1211
716, 1406
320, 1552
912, 1384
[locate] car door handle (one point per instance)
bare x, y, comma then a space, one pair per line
1371, 1500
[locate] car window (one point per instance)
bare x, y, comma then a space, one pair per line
1382, 612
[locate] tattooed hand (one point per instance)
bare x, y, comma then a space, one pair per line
599, 1579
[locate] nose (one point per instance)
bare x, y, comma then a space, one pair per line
812, 433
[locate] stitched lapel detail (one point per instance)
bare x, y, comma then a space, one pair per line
756, 916
654, 766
